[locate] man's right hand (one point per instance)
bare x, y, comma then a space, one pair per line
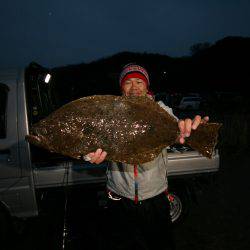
97, 157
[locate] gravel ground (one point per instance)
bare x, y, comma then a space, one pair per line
220, 220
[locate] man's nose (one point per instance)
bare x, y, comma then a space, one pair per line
134, 84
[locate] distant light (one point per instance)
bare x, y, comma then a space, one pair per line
47, 78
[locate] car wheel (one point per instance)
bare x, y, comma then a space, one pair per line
179, 205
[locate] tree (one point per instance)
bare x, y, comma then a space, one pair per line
198, 47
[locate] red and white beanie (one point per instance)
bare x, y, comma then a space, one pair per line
133, 71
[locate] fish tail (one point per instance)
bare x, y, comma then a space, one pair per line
204, 138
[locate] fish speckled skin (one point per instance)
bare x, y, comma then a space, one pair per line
130, 129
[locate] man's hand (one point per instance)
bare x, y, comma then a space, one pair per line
96, 157
186, 126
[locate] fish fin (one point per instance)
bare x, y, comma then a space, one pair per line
147, 156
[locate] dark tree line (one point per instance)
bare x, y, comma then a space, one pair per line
210, 67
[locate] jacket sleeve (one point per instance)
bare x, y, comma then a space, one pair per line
168, 109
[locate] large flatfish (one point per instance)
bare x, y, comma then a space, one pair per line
130, 129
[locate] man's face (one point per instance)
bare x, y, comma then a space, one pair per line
134, 87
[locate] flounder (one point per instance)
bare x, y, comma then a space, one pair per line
130, 129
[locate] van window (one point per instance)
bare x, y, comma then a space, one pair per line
3, 105
39, 96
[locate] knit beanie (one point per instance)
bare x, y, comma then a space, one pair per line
133, 71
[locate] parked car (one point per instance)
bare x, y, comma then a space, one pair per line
190, 103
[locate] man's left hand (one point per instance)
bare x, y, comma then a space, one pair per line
186, 126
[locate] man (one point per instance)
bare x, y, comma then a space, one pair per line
138, 205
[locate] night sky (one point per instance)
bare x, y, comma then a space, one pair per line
59, 32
